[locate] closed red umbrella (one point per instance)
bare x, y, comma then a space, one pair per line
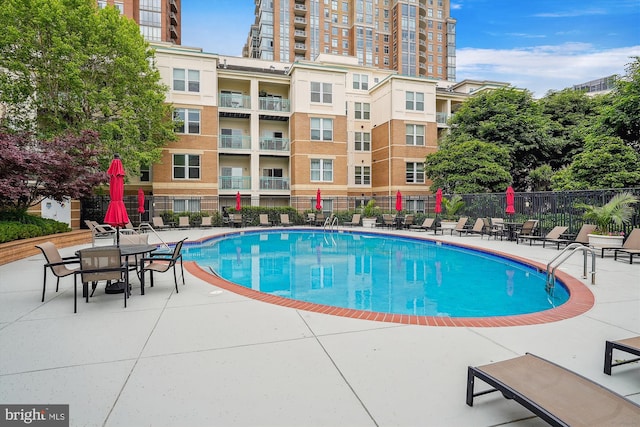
238, 201
140, 201
398, 201
116, 215
318, 200
438, 208
511, 196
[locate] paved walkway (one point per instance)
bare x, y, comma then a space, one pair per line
206, 357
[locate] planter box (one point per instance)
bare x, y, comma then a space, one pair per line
18, 249
448, 225
602, 241
369, 222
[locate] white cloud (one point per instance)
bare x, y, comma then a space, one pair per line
572, 13
543, 68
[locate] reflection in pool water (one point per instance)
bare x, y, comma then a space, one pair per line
377, 273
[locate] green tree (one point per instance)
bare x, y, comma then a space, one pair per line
469, 167
606, 162
508, 118
67, 65
622, 117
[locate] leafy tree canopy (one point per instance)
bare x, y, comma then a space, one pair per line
32, 169
471, 166
508, 118
67, 65
606, 162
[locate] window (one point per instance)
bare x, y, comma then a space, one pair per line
321, 129
186, 205
415, 101
415, 173
322, 170
361, 81
363, 175
362, 110
186, 80
187, 120
321, 92
363, 141
186, 166
415, 134
145, 173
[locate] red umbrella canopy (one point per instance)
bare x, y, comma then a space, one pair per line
238, 201
398, 201
438, 208
318, 200
511, 195
116, 211
140, 200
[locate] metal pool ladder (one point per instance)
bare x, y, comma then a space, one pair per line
569, 250
331, 223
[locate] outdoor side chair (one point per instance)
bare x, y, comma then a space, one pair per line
56, 263
161, 263
98, 264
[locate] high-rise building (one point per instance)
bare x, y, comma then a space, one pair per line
413, 37
159, 20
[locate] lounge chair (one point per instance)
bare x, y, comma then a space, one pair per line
355, 220
478, 228
158, 223
320, 219
527, 229
100, 231
629, 345
206, 222
235, 219
284, 220
429, 224
461, 225
582, 237
554, 234
557, 395
630, 247
264, 220
183, 222
407, 221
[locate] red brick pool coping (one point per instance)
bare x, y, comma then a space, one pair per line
580, 301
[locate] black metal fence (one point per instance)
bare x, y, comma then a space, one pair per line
550, 208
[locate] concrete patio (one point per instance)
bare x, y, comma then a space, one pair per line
206, 357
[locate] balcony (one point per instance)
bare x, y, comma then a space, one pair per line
174, 6
232, 100
274, 144
234, 142
300, 35
268, 103
441, 118
174, 18
234, 182
174, 31
299, 47
300, 9
269, 183
299, 21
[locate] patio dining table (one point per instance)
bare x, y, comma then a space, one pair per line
512, 228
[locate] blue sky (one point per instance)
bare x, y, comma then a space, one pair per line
538, 45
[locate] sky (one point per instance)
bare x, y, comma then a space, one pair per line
539, 45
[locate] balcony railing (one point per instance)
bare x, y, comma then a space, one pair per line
234, 182
235, 142
274, 144
273, 104
230, 100
269, 183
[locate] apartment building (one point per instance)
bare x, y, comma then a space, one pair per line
412, 37
277, 132
159, 20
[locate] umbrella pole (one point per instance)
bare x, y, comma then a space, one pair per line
118, 236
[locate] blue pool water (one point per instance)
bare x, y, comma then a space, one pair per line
379, 273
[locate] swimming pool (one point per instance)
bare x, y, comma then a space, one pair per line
378, 273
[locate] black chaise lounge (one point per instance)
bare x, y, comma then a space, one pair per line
629, 345
557, 395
